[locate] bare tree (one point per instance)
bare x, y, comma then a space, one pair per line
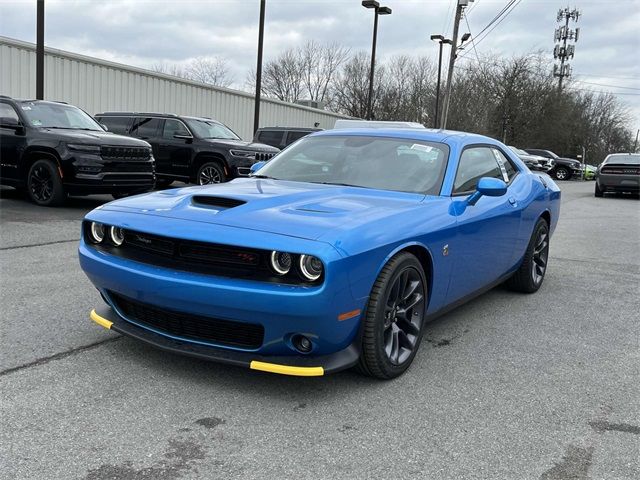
320, 65
209, 70
169, 69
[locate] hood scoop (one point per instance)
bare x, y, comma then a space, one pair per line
219, 203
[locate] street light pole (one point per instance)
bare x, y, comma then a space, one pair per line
256, 114
441, 40
40, 50
378, 10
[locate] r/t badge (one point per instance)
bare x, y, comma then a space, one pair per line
445, 250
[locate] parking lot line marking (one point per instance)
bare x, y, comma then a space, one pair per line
287, 369
103, 322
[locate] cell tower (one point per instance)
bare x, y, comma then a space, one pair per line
562, 51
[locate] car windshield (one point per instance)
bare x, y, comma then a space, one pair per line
57, 115
403, 165
210, 129
518, 151
633, 159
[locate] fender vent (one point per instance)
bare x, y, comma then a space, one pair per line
219, 202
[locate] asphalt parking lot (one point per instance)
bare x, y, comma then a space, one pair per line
509, 386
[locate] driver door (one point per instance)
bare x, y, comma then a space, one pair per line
487, 232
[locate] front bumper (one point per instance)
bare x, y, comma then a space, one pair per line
303, 366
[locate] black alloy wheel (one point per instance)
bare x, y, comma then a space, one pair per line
394, 319
44, 184
562, 173
210, 173
530, 275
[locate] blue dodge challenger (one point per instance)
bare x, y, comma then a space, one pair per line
334, 254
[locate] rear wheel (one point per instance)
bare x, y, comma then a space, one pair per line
44, 185
528, 278
598, 192
562, 173
210, 172
393, 322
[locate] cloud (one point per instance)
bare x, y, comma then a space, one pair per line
146, 32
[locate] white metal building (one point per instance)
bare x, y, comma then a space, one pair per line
98, 86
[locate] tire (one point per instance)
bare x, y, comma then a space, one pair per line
598, 192
530, 275
210, 173
390, 339
562, 173
44, 185
163, 183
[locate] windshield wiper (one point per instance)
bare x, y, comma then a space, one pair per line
263, 176
72, 128
339, 184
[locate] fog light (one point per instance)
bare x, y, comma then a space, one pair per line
310, 267
281, 262
301, 343
96, 232
117, 236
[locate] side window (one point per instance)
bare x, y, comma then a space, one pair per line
293, 136
508, 170
7, 111
475, 163
174, 127
118, 125
145, 127
271, 137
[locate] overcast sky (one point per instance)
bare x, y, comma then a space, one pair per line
144, 32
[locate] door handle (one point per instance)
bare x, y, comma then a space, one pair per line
513, 201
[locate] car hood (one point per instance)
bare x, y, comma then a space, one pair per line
91, 137
297, 209
253, 146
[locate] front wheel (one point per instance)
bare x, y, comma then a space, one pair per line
392, 326
44, 185
562, 173
528, 278
209, 173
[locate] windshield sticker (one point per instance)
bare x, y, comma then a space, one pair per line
36, 123
424, 148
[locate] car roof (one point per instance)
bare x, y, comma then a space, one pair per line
427, 134
302, 129
155, 114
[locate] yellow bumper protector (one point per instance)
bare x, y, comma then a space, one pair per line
103, 322
286, 369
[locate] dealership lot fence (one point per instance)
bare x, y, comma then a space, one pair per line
98, 86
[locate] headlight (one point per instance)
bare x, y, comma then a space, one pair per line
117, 236
96, 232
281, 262
243, 154
84, 148
310, 267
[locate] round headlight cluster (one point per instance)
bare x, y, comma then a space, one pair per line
309, 268
98, 233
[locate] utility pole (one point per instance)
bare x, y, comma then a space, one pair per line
635, 144
256, 114
452, 60
40, 50
564, 51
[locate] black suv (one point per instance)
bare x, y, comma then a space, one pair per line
564, 168
191, 149
54, 149
282, 137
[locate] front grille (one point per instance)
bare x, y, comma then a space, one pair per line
620, 170
263, 156
191, 327
131, 154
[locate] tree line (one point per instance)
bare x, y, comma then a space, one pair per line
514, 99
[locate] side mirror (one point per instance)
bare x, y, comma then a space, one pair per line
487, 186
256, 166
181, 136
104, 127
10, 122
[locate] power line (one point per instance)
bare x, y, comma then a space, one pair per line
484, 33
608, 85
473, 44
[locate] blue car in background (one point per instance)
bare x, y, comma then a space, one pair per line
334, 254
